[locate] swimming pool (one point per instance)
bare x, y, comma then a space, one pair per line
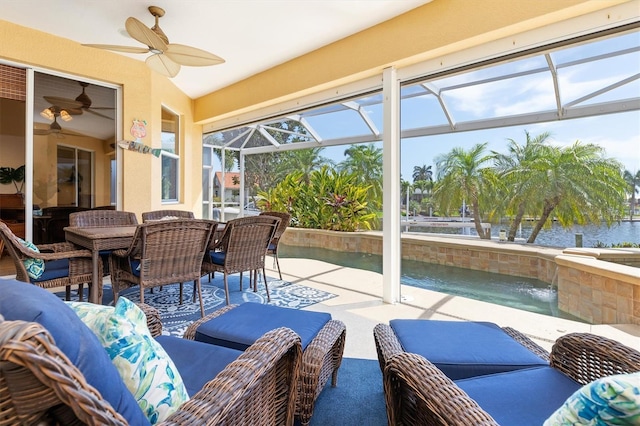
517, 292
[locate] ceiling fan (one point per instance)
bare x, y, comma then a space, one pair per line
166, 57
81, 103
54, 128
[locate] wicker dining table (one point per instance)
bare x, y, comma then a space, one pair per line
96, 239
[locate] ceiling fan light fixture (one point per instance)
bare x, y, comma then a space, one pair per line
47, 113
65, 116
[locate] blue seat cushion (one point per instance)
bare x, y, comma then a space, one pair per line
197, 362
522, 397
217, 257
462, 349
27, 302
244, 324
54, 269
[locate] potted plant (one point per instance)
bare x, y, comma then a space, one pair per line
10, 175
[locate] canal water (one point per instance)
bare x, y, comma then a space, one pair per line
516, 292
557, 236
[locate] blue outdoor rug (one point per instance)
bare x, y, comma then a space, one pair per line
176, 318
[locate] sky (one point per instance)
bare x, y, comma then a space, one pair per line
589, 75
618, 134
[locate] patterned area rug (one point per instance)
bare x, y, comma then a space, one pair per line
176, 318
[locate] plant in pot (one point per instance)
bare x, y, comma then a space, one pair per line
10, 175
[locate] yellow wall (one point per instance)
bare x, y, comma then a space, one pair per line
143, 93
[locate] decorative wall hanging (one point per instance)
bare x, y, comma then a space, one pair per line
139, 131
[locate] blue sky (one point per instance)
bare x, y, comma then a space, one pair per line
618, 134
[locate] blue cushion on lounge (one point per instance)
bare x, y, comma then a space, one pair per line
27, 302
244, 324
217, 257
522, 397
463, 349
54, 269
197, 362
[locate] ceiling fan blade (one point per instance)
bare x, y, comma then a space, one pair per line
163, 65
41, 131
144, 35
63, 103
91, 110
123, 49
191, 56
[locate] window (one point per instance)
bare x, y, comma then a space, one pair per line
170, 156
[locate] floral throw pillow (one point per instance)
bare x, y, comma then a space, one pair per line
143, 364
612, 400
34, 267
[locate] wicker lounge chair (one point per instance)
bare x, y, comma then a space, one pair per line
64, 264
44, 378
285, 218
419, 393
322, 338
460, 348
242, 247
161, 253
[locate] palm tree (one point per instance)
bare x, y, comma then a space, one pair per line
422, 173
303, 160
463, 176
633, 182
581, 186
365, 161
520, 178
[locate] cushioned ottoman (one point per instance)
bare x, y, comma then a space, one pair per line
463, 349
238, 326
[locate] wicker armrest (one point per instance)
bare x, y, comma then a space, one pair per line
527, 342
57, 247
251, 389
154, 323
418, 393
33, 365
387, 343
190, 333
586, 357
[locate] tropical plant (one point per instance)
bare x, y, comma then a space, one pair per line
521, 179
329, 199
633, 185
9, 175
422, 173
465, 177
581, 186
303, 160
365, 161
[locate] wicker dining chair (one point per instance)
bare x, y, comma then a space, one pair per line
162, 253
102, 218
285, 218
64, 264
161, 214
242, 247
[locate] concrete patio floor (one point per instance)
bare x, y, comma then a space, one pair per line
359, 305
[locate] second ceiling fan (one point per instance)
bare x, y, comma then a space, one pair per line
166, 57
